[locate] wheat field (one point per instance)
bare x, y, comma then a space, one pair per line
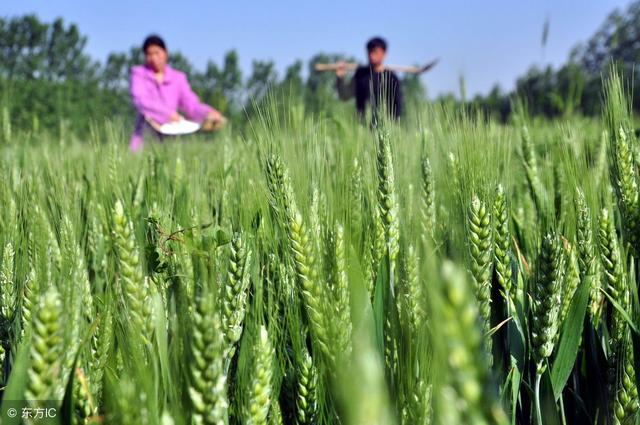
449, 270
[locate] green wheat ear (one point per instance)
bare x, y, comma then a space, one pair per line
207, 388
418, 409
84, 407
259, 393
356, 196
531, 170
275, 414
623, 167
571, 279
312, 292
613, 274
30, 292
546, 301
101, 346
134, 288
234, 292
587, 258
7, 284
341, 293
455, 168
303, 253
378, 246
625, 403
315, 228
428, 205
306, 402
387, 198
46, 350
502, 244
8, 303
467, 360
412, 297
623, 394
480, 240
625, 178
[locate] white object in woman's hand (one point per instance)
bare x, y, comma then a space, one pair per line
178, 128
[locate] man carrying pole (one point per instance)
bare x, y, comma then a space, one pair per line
372, 83
375, 83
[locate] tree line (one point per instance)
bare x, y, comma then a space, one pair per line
576, 86
47, 78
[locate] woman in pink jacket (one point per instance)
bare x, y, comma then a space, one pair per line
160, 94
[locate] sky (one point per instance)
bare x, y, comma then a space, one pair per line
486, 42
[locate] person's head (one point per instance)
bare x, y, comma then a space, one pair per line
377, 50
155, 52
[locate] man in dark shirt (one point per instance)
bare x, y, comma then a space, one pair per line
372, 83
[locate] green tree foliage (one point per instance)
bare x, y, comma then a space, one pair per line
577, 85
46, 78
292, 79
320, 87
263, 76
413, 89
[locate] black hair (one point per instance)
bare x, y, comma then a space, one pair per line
153, 40
376, 42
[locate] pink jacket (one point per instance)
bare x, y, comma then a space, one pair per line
157, 101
